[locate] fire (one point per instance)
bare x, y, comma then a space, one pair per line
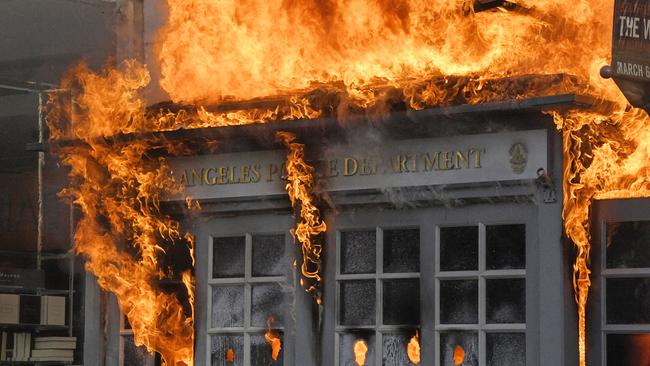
413, 348
360, 350
459, 355
300, 186
230, 355
303, 59
273, 339
122, 232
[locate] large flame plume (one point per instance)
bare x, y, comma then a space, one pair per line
300, 186
308, 58
122, 232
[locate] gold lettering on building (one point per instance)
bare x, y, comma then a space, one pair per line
401, 163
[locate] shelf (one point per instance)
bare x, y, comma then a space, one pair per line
43, 255
3, 363
33, 291
34, 327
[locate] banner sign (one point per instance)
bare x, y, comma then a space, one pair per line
631, 41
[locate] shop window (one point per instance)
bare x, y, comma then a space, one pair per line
481, 295
378, 302
247, 301
626, 293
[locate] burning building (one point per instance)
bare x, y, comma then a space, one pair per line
358, 183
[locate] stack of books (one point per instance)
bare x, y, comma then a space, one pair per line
58, 349
15, 346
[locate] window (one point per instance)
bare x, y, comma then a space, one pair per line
247, 298
130, 355
626, 293
481, 295
378, 300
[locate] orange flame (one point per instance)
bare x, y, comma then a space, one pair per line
273, 339
230, 355
300, 189
360, 350
122, 232
413, 348
459, 355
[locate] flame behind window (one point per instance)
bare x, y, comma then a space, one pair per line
272, 338
459, 355
413, 349
360, 350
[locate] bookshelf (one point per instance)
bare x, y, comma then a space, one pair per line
37, 233
46, 284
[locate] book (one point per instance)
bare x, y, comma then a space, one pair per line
30, 309
3, 347
28, 346
52, 359
53, 310
9, 309
60, 353
55, 339
18, 346
55, 345
10, 347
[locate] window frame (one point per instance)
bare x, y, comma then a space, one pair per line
482, 274
378, 276
247, 330
426, 218
606, 273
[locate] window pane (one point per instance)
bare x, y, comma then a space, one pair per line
228, 257
506, 349
505, 247
401, 302
395, 348
268, 255
267, 301
628, 349
506, 300
227, 306
459, 349
358, 252
401, 251
628, 300
357, 302
363, 341
459, 302
627, 244
262, 352
227, 350
134, 356
459, 248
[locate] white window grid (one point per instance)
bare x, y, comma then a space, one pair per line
125, 333
247, 281
482, 275
379, 276
616, 273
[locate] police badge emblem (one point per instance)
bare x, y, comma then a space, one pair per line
518, 157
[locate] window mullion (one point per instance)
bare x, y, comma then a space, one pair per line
482, 305
379, 311
248, 270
